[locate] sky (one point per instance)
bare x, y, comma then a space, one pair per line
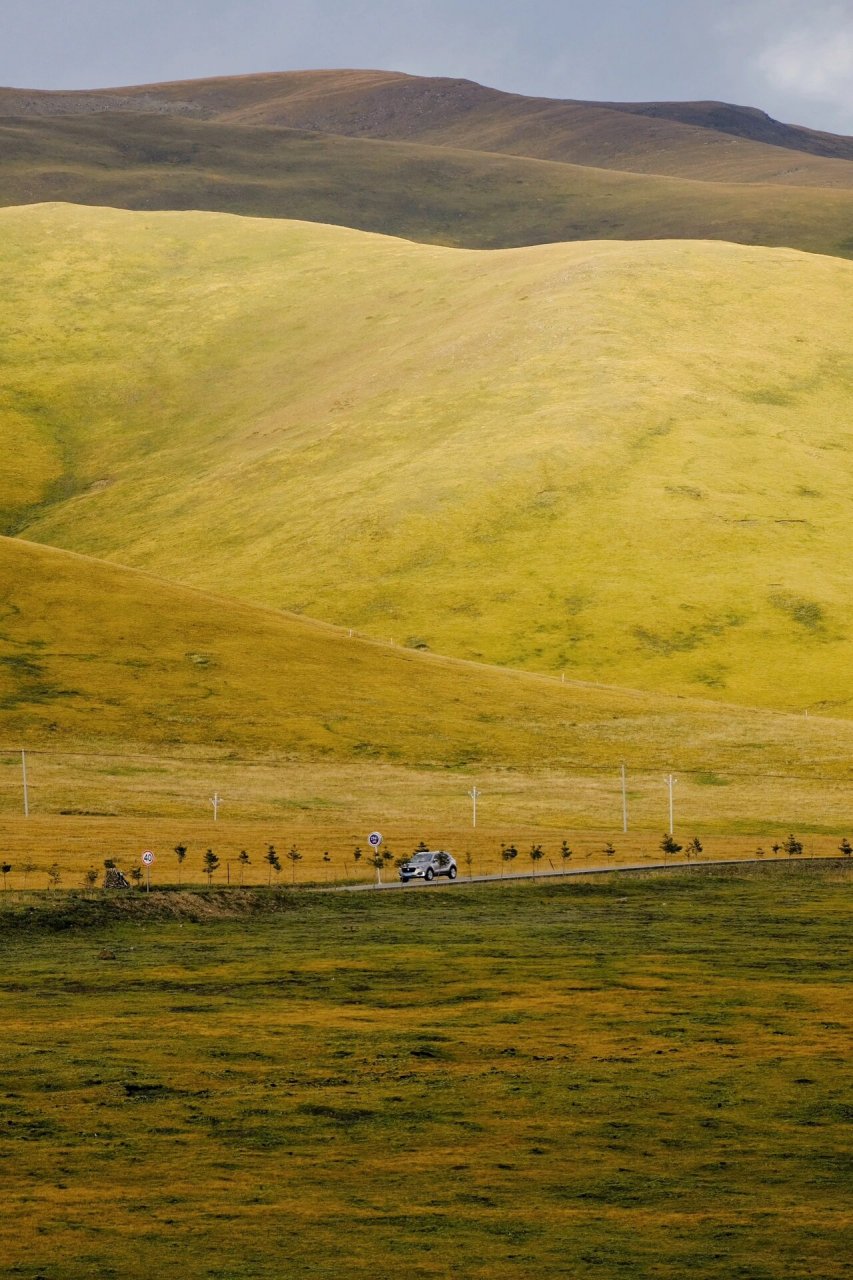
792, 58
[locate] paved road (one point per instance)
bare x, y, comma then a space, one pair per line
597, 870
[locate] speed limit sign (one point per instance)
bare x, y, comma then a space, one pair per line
147, 857
374, 839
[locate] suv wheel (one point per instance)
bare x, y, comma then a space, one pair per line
452, 873
430, 874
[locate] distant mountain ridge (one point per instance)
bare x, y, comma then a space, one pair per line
657, 136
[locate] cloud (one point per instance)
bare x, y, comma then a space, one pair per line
815, 61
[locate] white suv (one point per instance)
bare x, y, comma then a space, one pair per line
427, 865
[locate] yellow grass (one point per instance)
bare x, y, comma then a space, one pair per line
625, 462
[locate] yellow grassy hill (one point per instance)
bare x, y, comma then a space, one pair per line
630, 462
94, 656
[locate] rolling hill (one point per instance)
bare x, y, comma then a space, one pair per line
436, 160
628, 462
433, 194
99, 656
707, 141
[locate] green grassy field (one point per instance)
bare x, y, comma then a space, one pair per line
549, 458
433, 194
632, 1076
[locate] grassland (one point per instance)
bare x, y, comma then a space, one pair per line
706, 141
433, 194
548, 458
136, 700
578, 1081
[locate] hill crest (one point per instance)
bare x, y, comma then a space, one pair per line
717, 140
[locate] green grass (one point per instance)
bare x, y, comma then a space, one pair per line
429, 193
621, 461
630, 1076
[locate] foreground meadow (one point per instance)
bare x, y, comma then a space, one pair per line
634, 1076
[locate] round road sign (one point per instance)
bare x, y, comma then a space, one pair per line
148, 857
374, 839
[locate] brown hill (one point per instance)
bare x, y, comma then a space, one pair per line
439, 195
711, 141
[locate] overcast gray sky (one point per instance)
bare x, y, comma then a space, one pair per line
793, 58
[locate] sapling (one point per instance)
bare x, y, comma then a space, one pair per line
271, 859
295, 856
508, 854
669, 844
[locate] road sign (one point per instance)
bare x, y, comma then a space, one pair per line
148, 857
374, 839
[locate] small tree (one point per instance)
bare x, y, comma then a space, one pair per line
694, 848
180, 854
565, 851
54, 876
271, 859
27, 868
776, 848
244, 860
609, 850
845, 847
327, 858
469, 862
356, 855
377, 862
537, 853
109, 863
759, 852
294, 856
508, 854
211, 864
90, 879
792, 845
136, 876
5, 868
669, 844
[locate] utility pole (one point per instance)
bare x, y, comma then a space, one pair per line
216, 801
624, 798
26, 790
474, 793
670, 782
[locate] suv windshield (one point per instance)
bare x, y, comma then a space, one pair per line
420, 859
